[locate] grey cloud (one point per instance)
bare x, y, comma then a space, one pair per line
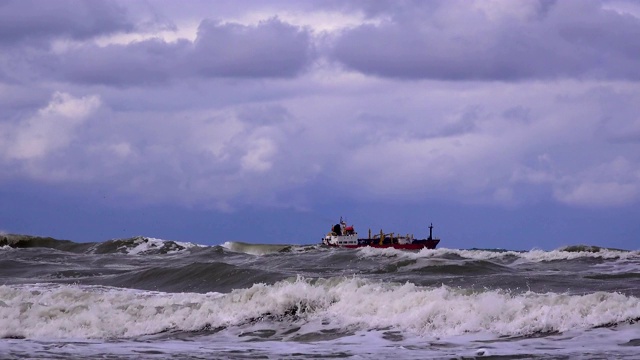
263, 116
518, 113
17, 101
36, 20
231, 157
629, 136
271, 48
370, 9
466, 123
142, 63
458, 42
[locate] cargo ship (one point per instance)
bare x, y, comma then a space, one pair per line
345, 236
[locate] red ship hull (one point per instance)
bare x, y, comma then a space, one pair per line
424, 244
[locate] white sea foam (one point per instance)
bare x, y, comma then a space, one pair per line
72, 311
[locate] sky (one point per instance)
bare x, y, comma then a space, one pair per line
505, 123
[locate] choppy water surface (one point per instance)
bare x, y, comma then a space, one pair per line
150, 298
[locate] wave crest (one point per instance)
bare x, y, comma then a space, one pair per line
140, 245
54, 311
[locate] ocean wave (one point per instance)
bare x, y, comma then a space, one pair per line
74, 311
138, 245
195, 277
265, 249
587, 248
439, 266
534, 255
28, 241
141, 245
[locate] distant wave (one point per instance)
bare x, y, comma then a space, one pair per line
534, 255
28, 241
264, 249
255, 249
587, 248
143, 245
133, 246
140, 245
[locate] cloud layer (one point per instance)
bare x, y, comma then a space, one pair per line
500, 102
500, 40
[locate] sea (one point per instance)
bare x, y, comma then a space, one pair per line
148, 298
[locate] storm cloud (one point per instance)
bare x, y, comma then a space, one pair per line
496, 41
270, 48
41, 21
295, 105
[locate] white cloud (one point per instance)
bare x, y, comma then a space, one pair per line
624, 7
318, 21
258, 156
50, 129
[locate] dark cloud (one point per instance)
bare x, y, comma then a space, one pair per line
142, 63
19, 102
271, 49
452, 42
38, 20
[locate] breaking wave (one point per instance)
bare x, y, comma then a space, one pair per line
75, 311
140, 245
